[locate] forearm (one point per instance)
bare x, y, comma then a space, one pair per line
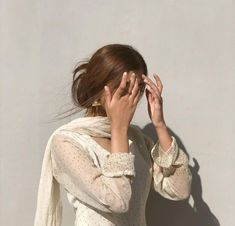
164, 137
119, 139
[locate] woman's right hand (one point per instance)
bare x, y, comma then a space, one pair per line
120, 108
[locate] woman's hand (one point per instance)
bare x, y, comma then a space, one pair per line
155, 101
121, 106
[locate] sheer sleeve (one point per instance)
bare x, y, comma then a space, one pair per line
107, 188
172, 177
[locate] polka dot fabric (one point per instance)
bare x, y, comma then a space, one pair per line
107, 189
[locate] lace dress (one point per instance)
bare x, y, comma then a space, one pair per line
111, 189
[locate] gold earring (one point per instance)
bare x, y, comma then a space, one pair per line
96, 103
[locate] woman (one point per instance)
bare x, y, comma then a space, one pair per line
107, 165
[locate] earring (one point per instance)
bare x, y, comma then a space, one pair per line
96, 103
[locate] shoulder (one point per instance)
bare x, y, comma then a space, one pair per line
66, 132
67, 139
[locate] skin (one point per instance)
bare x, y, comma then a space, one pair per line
121, 108
155, 110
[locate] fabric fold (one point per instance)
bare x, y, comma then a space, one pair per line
49, 204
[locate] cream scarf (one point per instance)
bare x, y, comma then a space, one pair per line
49, 205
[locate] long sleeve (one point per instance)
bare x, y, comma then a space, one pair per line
172, 177
107, 188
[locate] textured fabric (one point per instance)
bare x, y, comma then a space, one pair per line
106, 188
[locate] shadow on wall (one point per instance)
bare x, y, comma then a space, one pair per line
165, 212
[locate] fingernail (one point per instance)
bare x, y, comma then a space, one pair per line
125, 73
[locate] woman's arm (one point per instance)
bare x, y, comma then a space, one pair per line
172, 177
107, 188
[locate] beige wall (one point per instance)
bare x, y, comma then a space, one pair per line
190, 44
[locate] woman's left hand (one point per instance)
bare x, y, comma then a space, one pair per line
155, 101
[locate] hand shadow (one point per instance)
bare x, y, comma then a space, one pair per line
164, 212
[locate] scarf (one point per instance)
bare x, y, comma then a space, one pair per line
49, 204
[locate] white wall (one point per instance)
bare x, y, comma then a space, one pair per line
190, 44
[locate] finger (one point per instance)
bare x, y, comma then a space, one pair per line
134, 90
159, 82
137, 97
149, 82
132, 83
149, 95
107, 94
121, 87
155, 91
158, 97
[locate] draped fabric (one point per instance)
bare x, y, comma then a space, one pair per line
49, 205
101, 185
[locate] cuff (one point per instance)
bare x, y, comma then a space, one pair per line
119, 164
165, 158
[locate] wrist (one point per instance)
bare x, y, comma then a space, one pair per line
119, 129
160, 126
119, 139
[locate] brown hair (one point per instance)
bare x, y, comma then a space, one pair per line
105, 67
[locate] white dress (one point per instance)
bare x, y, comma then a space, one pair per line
111, 189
